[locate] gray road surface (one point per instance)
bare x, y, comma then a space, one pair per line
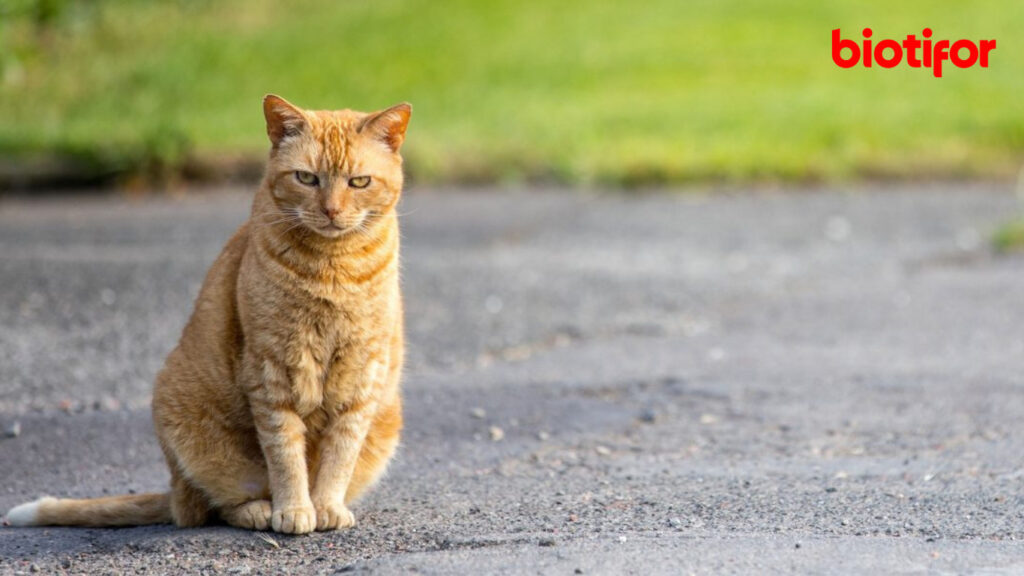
815, 382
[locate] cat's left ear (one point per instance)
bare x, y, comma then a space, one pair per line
388, 125
284, 119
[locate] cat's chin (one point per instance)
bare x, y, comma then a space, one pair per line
333, 231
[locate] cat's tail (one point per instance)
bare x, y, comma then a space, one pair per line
129, 510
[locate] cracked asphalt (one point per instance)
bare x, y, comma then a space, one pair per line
816, 381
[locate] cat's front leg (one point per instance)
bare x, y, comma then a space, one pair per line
282, 436
339, 452
350, 417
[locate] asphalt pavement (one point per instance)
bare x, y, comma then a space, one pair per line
809, 382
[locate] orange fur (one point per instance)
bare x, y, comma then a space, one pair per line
281, 403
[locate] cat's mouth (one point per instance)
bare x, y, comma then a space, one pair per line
332, 230
335, 230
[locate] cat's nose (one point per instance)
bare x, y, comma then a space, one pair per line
331, 213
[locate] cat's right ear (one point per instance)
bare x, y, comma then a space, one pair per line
283, 119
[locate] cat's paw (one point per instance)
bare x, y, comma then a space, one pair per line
333, 516
294, 519
253, 515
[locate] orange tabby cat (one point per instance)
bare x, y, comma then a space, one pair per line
281, 403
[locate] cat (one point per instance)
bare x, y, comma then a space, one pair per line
281, 403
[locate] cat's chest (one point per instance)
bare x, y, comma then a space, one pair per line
336, 355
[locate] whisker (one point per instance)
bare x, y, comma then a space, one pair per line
280, 217
276, 222
293, 227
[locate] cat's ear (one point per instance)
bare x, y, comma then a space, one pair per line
283, 118
388, 125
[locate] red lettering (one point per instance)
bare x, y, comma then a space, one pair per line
888, 53
954, 54
927, 33
897, 53
837, 50
941, 53
986, 47
910, 46
867, 48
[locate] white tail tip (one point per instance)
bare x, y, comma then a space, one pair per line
26, 514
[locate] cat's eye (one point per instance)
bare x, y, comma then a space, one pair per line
307, 178
359, 181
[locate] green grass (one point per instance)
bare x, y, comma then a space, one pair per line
583, 91
1010, 238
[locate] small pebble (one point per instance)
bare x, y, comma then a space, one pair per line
675, 522
546, 542
648, 415
603, 450
12, 430
542, 436
497, 434
478, 413
107, 404
108, 296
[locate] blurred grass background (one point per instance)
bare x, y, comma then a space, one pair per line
588, 92
1010, 237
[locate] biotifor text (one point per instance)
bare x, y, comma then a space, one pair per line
890, 53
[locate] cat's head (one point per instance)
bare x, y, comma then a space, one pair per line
334, 172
